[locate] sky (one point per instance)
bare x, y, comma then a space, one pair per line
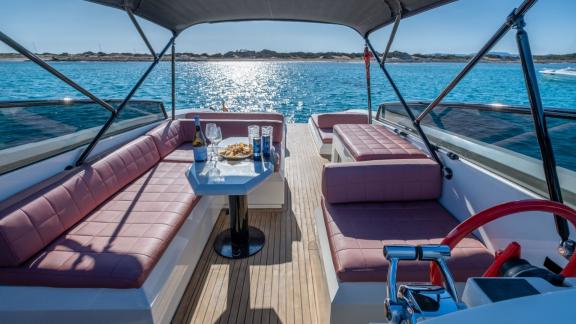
76, 26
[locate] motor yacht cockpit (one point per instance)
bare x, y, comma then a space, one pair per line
418, 212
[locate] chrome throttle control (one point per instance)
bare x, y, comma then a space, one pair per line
415, 302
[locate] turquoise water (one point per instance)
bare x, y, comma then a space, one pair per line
297, 89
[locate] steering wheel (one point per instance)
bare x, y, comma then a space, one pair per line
513, 250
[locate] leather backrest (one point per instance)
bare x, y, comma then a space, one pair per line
331, 119
237, 115
167, 136
233, 127
382, 181
28, 226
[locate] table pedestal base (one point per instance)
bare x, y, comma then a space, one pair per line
241, 241
224, 246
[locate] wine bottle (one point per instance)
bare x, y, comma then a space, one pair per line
199, 143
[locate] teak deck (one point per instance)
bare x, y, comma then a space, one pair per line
284, 282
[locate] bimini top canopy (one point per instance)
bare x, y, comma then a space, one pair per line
364, 16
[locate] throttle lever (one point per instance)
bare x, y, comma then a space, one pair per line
405, 304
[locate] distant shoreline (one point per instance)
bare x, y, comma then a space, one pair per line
267, 55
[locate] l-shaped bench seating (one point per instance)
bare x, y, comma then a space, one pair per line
108, 223
367, 205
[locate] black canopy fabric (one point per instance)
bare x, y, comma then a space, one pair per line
364, 16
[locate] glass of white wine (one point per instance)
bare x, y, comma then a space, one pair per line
211, 133
215, 140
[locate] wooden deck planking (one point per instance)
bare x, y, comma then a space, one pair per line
284, 282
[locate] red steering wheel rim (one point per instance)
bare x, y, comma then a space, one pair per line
488, 215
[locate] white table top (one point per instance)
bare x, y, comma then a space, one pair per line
228, 177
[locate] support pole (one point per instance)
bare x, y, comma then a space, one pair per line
141, 32
506, 26
32, 57
423, 136
392, 36
109, 122
367, 58
541, 128
173, 69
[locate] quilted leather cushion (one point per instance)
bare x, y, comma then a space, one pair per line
238, 128
168, 136
383, 180
30, 225
375, 142
119, 243
182, 153
358, 232
237, 115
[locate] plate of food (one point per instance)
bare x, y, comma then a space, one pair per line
236, 152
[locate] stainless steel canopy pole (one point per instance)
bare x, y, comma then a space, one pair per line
368, 83
506, 26
32, 57
423, 136
546, 150
141, 32
173, 68
392, 36
109, 122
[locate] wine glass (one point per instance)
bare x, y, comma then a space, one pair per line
210, 134
215, 140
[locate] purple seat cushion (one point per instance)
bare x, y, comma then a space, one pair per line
118, 244
375, 142
329, 120
358, 232
28, 226
381, 181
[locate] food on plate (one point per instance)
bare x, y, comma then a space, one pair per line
236, 151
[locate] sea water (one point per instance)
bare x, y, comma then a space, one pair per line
296, 89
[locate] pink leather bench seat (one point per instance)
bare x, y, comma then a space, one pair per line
375, 142
104, 226
118, 244
357, 233
367, 205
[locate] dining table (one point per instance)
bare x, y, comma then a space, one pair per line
234, 179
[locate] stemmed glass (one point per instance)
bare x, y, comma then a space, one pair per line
217, 132
214, 134
210, 134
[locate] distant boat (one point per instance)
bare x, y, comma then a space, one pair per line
560, 73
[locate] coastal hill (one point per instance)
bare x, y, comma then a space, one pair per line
395, 56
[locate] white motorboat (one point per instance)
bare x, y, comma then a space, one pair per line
569, 73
